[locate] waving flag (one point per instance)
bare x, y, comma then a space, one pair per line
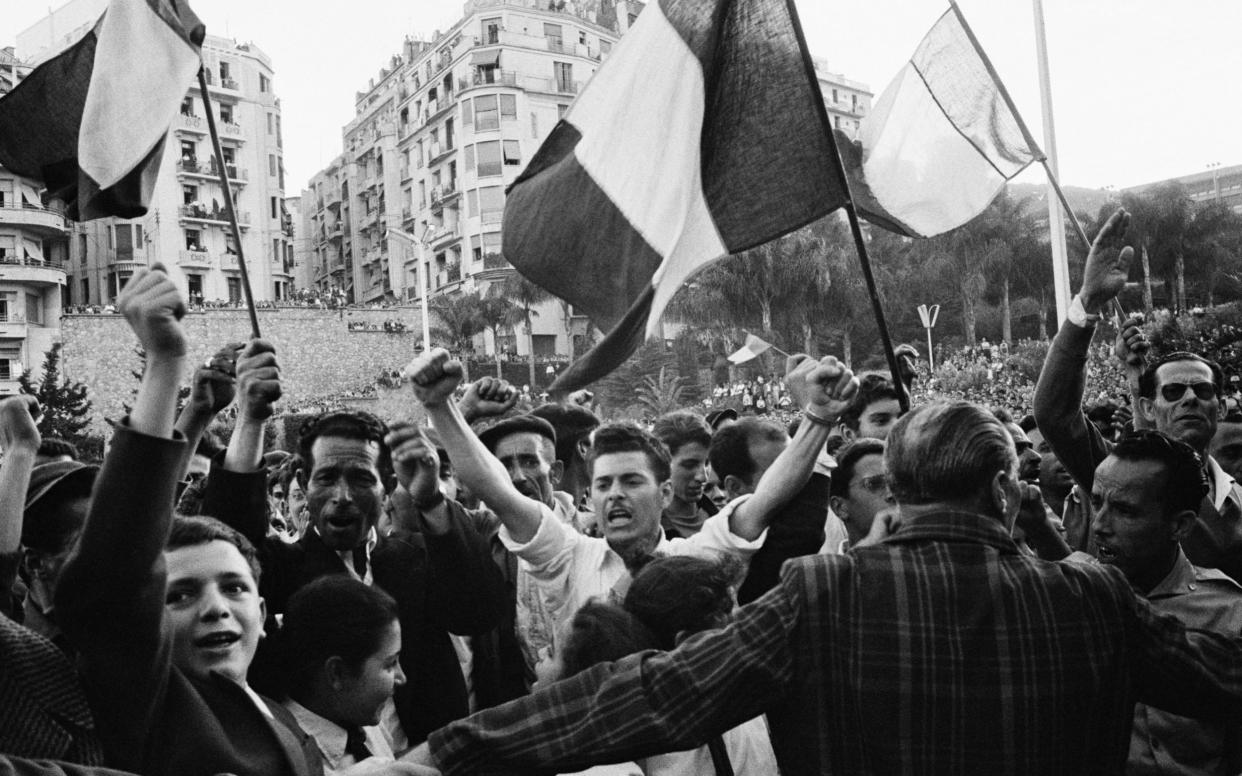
90, 123
752, 348
704, 134
942, 140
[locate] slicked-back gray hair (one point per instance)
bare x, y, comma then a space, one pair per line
947, 451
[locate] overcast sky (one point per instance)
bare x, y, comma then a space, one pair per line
1142, 89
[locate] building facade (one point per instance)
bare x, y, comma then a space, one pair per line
847, 101
34, 244
1214, 184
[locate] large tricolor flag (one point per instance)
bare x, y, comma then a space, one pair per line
90, 122
941, 141
702, 135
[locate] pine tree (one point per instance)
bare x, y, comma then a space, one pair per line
183, 393
65, 405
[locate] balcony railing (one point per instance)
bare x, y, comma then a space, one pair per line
194, 258
229, 83
192, 166
191, 122
230, 128
199, 212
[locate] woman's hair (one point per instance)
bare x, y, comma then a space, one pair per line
601, 633
682, 593
333, 616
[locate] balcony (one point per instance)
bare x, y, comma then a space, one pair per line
440, 153
230, 129
229, 83
192, 259
47, 223
492, 217
192, 167
188, 122
443, 235
197, 212
442, 195
12, 328
26, 269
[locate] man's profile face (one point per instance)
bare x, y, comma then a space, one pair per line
525, 457
214, 609
689, 473
878, 418
1226, 448
343, 492
1185, 417
712, 489
1129, 522
628, 499
1028, 459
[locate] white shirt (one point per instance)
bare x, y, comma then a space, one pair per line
560, 569
331, 737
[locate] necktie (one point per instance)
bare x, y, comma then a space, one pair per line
356, 744
360, 561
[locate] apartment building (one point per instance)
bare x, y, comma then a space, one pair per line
847, 101
33, 248
1214, 184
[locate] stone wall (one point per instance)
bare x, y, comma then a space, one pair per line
322, 362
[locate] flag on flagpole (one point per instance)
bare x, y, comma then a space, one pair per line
702, 135
752, 348
942, 140
90, 122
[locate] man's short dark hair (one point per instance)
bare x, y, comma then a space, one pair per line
292, 468
847, 461
683, 593
729, 453
191, 531
871, 389
572, 425
629, 438
55, 447
947, 451
1147, 381
347, 424
1185, 483
680, 428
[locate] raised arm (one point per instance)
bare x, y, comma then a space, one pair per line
435, 377
825, 388
211, 390
1058, 394
19, 439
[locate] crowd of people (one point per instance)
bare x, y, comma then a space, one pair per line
515, 586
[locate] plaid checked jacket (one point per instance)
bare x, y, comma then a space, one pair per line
942, 650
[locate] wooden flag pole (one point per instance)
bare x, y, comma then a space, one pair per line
228, 202
903, 399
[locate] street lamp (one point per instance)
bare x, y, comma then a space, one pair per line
928, 316
1215, 168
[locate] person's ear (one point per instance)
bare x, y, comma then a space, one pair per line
734, 486
583, 446
666, 493
262, 618
556, 472
1005, 496
847, 433
1181, 524
337, 672
839, 508
1147, 408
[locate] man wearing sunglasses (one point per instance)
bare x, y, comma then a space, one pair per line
1179, 395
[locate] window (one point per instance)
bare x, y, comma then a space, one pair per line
553, 33
194, 285
472, 203
834, 95
491, 242
469, 157
485, 115
82, 251
512, 152
224, 71
534, 125
838, 121
124, 242
192, 242
448, 133
605, 48
271, 165
187, 106
271, 123
189, 195
508, 106
422, 194
491, 31
138, 236
488, 158
564, 75
560, 111
491, 205
226, 113
34, 309
275, 211
86, 290
4, 309
234, 290
187, 150
6, 194
418, 154
467, 112
265, 84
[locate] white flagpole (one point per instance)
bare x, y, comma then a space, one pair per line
422, 282
1056, 219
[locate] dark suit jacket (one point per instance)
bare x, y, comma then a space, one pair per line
17, 766
442, 584
152, 718
797, 531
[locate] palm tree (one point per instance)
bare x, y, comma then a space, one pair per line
525, 294
496, 312
460, 319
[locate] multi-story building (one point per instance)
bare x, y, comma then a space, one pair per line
847, 101
1214, 184
444, 130
187, 224
33, 248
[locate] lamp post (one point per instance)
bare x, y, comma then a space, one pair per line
1215, 168
928, 316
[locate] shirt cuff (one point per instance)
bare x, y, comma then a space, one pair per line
548, 540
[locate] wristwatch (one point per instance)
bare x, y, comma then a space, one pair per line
1078, 315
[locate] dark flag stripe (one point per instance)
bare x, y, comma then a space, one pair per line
612, 351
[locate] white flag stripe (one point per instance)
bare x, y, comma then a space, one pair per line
920, 168
641, 118
141, 72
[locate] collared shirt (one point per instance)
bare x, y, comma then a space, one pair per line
347, 557
940, 650
1163, 744
559, 570
331, 738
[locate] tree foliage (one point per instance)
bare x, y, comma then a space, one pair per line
66, 406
